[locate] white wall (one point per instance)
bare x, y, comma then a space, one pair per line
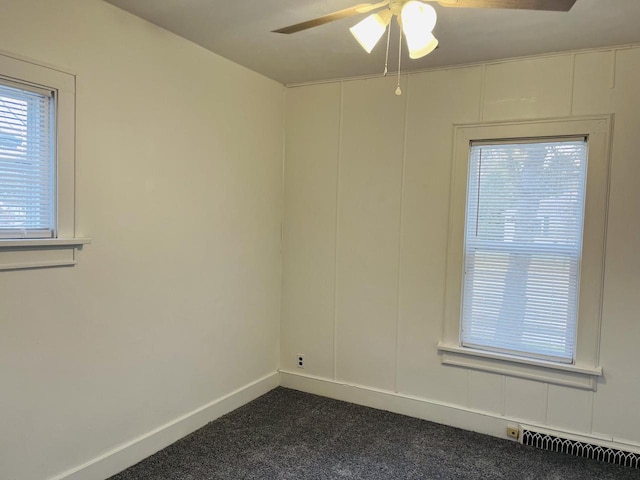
367, 183
176, 303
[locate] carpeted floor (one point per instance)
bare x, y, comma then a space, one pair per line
287, 434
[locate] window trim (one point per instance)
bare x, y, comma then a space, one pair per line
60, 250
584, 372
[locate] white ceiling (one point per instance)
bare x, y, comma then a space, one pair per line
240, 30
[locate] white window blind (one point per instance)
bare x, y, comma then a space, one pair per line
523, 242
26, 162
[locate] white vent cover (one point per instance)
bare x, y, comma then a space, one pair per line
548, 441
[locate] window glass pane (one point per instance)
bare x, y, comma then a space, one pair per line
26, 164
523, 240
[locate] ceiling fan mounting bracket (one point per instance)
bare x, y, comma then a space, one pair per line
396, 6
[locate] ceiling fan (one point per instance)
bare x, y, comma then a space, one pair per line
396, 6
414, 15
416, 18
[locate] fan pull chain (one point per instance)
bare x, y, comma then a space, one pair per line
386, 58
398, 89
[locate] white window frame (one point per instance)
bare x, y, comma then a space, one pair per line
585, 370
61, 250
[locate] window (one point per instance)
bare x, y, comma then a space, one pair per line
524, 278
523, 241
37, 166
27, 147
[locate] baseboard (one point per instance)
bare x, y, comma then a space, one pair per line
434, 411
132, 452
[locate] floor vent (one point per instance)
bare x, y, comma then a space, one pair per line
546, 441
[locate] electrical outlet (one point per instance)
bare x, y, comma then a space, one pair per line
513, 432
300, 359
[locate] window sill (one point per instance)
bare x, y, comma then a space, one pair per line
39, 253
559, 374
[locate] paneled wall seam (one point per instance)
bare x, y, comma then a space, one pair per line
75, 158
335, 244
546, 407
282, 216
592, 397
573, 83
468, 390
400, 228
613, 68
483, 84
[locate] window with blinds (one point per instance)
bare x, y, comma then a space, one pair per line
523, 242
27, 153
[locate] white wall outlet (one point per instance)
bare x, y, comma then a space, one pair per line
513, 431
300, 360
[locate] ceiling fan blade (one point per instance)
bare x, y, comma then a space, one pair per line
551, 5
331, 17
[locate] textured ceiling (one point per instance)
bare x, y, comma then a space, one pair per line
240, 30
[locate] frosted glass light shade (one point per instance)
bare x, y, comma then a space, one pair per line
418, 16
421, 46
418, 21
368, 31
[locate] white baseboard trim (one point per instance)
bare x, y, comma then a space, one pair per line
139, 448
434, 411
132, 452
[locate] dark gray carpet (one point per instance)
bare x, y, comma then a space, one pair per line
287, 434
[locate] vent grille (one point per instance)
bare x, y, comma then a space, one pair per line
592, 451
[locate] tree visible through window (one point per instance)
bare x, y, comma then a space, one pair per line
523, 243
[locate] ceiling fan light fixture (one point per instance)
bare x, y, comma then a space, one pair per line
369, 31
418, 21
420, 47
418, 16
